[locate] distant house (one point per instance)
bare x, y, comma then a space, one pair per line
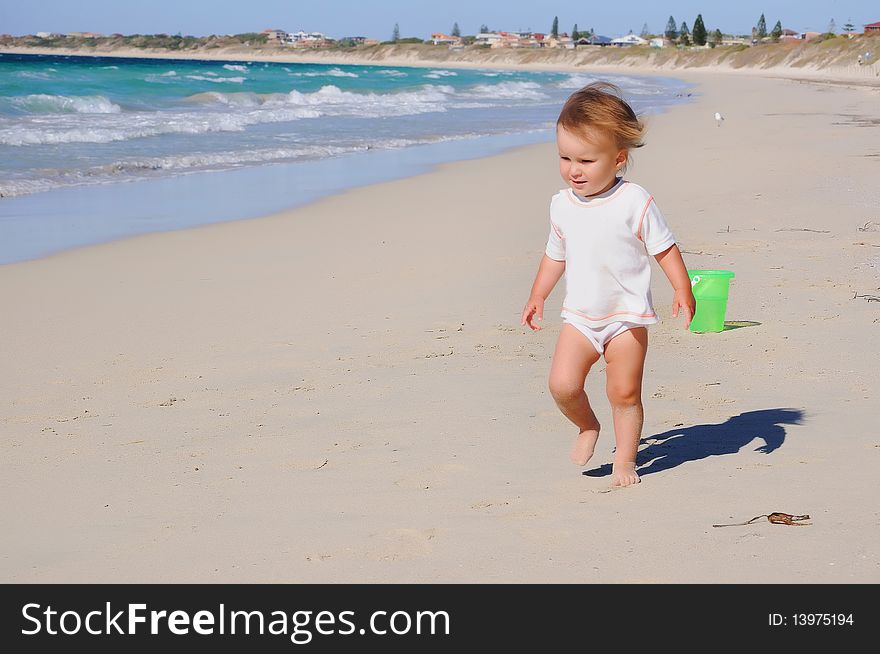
358, 40
513, 39
516, 40
806, 36
789, 35
492, 39
85, 35
561, 41
628, 40
275, 35
594, 39
306, 39
872, 28
439, 38
659, 42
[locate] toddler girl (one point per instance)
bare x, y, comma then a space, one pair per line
603, 229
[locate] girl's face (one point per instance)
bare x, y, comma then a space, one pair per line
589, 166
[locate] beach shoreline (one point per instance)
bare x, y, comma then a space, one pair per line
504, 59
343, 392
127, 185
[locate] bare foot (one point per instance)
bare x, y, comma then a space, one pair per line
583, 447
624, 474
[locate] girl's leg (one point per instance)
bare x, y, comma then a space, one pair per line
574, 357
625, 359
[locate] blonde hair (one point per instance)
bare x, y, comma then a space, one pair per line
600, 106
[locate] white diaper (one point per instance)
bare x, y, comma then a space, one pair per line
599, 336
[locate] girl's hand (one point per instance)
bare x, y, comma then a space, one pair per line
533, 313
684, 300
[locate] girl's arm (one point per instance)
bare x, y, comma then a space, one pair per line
549, 273
673, 265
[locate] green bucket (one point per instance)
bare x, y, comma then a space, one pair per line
710, 288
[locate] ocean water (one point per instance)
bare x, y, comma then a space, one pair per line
97, 148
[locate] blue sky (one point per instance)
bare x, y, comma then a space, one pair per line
417, 17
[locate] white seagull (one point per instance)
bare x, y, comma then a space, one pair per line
718, 119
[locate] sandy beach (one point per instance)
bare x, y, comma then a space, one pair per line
343, 392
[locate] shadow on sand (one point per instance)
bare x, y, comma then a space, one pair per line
739, 324
682, 444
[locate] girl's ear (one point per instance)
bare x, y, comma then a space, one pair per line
622, 157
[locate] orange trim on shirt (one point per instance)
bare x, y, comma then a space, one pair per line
642, 218
556, 230
610, 315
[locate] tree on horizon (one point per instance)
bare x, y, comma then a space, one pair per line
554, 31
761, 27
484, 29
684, 34
777, 31
717, 38
832, 27
671, 31
645, 32
395, 33
699, 31
575, 35
849, 28
455, 30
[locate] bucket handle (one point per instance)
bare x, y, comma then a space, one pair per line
695, 280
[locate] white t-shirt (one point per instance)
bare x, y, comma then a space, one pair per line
606, 241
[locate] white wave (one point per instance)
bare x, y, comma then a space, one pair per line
134, 168
226, 112
110, 67
175, 164
225, 159
441, 73
162, 78
42, 103
391, 73
331, 100
238, 67
576, 81
629, 85
29, 74
333, 72
334, 101
13, 188
337, 72
507, 91
218, 80
135, 125
472, 105
240, 99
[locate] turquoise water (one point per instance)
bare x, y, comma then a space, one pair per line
82, 138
